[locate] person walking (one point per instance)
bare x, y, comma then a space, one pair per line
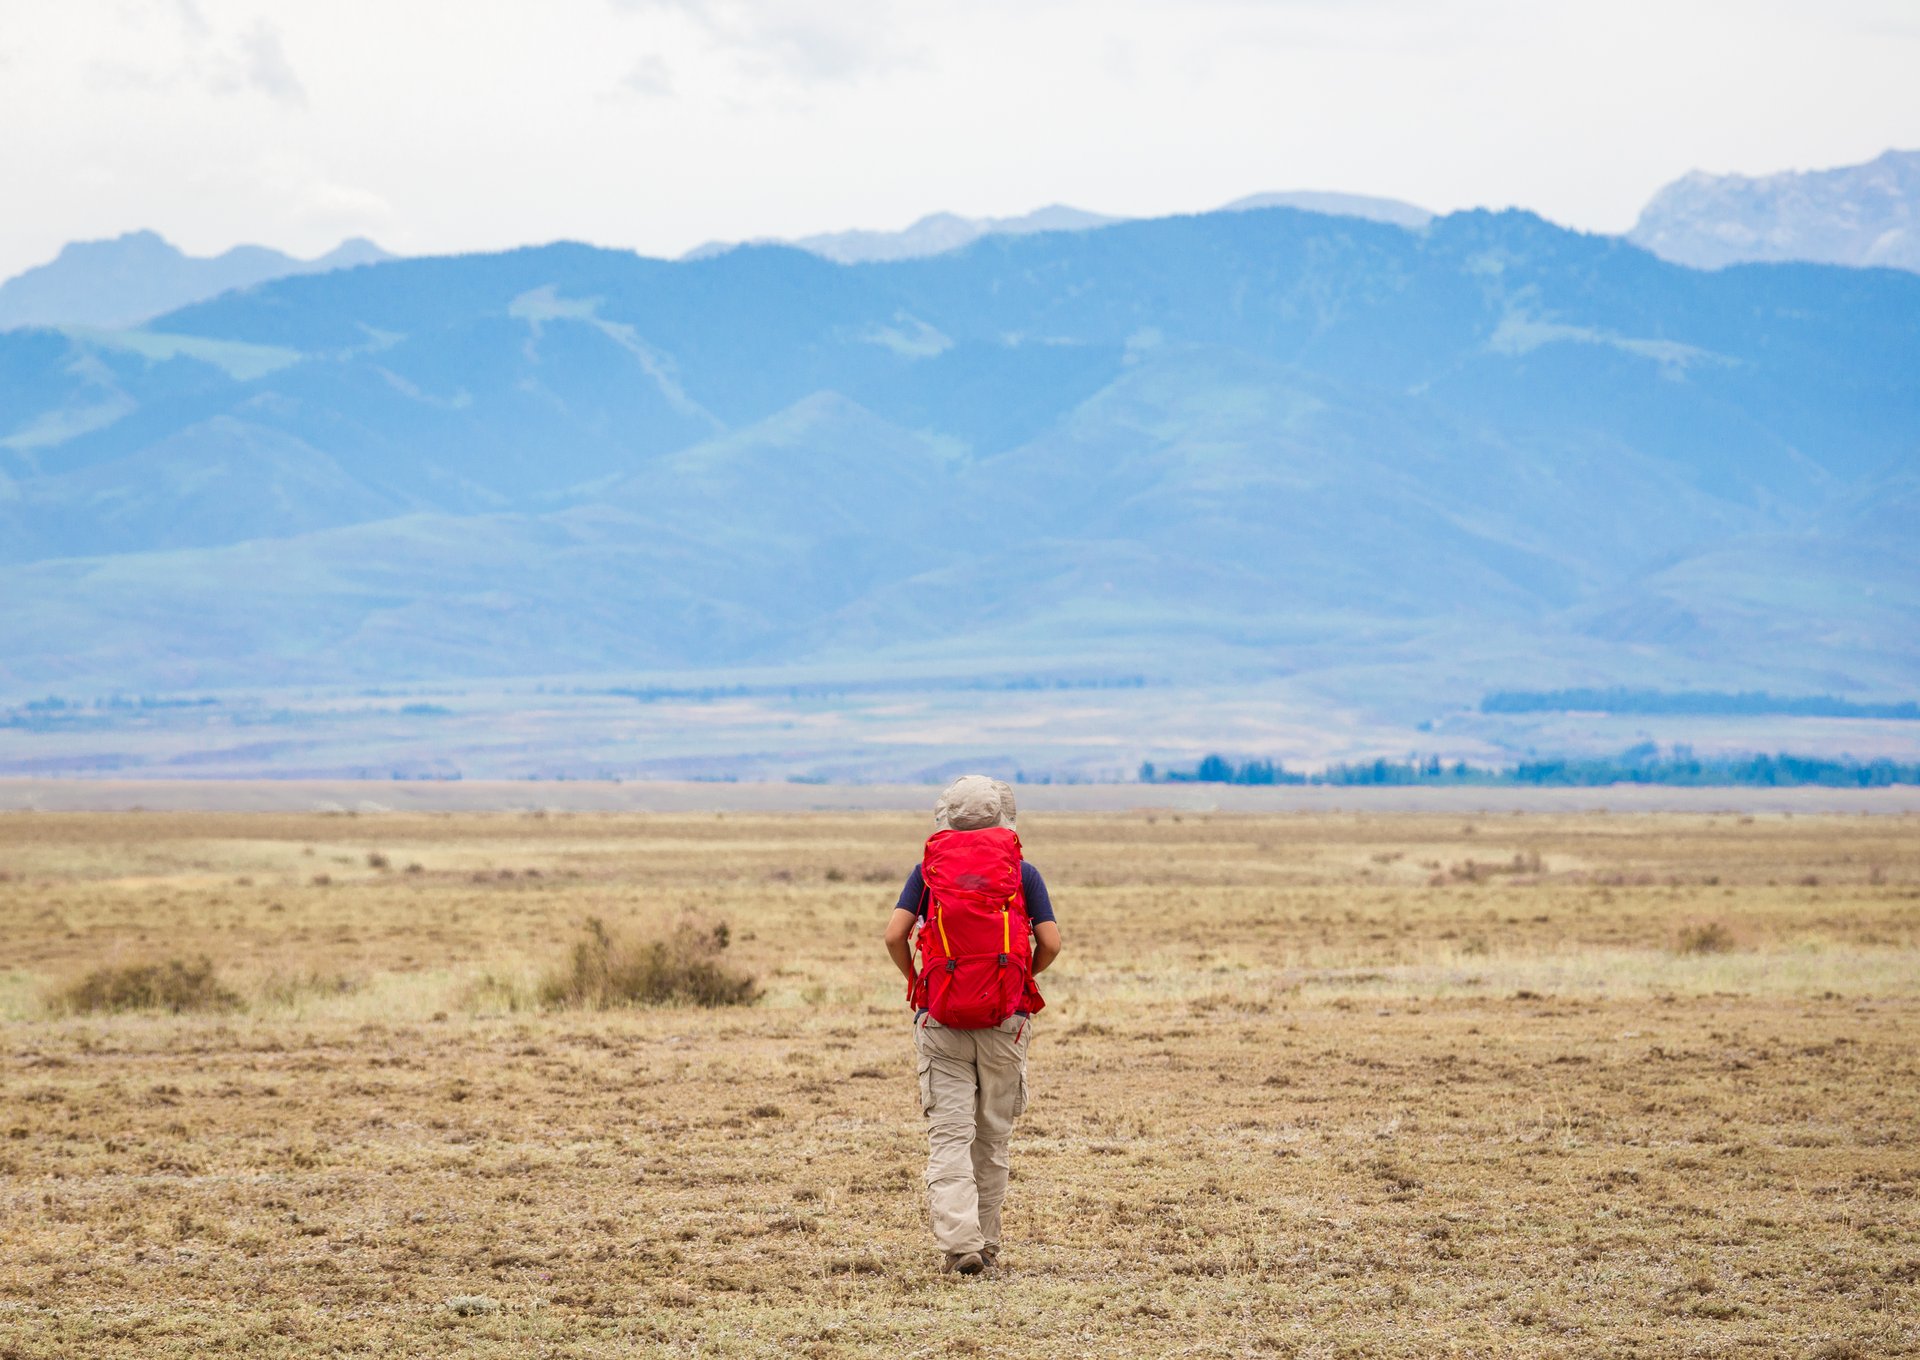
983, 924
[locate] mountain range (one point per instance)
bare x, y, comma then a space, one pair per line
938, 233
1403, 466
1853, 215
131, 278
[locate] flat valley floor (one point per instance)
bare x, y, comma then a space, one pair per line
1308, 1085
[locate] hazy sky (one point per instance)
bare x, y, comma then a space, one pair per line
436, 125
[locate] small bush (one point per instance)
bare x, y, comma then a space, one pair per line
176, 985
683, 966
1704, 937
287, 989
491, 992
376, 860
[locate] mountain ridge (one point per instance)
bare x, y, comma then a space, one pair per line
125, 280
940, 232
1482, 454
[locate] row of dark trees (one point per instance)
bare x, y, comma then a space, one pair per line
1695, 703
1638, 766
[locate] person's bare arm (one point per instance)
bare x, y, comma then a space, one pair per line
900, 940
1046, 945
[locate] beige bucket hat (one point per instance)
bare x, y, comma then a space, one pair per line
973, 802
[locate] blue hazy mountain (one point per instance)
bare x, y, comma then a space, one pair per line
125, 280
937, 233
933, 234
1392, 210
1489, 453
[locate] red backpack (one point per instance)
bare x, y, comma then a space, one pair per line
976, 959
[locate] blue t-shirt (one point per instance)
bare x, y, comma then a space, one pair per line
913, 897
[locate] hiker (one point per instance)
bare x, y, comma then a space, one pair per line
985, 927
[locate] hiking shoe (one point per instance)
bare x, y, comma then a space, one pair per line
990, 1254
964, 1263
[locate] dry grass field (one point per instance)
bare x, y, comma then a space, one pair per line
1321, 1085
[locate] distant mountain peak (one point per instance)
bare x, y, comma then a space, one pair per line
1866, 214
939, 232
934, 234
1392, 211
126, 279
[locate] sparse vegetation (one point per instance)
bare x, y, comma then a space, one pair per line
1287, 1098
681, 967
289, 989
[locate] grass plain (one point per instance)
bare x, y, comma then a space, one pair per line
1309, 1085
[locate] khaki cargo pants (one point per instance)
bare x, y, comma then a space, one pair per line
973, 1082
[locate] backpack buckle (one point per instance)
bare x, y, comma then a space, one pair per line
1004, 960
952, 964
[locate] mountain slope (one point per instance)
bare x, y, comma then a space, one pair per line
222, 480
1855, 215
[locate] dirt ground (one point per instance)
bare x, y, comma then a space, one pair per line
1308, 1085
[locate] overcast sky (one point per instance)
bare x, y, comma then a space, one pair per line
435, 125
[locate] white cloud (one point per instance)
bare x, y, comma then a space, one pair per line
650, 76
185, 48
259, 63
802, 42
347, 207
192, 22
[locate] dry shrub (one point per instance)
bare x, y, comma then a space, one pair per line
1476, 871
1704, 937
287, 989
1840, 1350
681, 967
176, 985
493, 992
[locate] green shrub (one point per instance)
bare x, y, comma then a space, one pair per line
681, 967
176, 985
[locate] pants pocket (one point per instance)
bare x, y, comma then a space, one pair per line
1024, 1035
925, 1065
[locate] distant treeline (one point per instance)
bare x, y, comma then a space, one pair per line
53, 703
1217, 769
120, 711
1694, 703
706, 694
1637, 766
